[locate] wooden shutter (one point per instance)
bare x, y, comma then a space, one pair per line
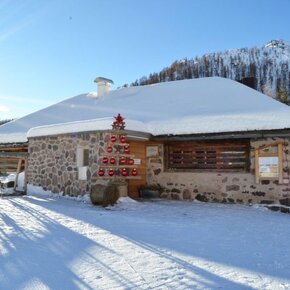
218, 156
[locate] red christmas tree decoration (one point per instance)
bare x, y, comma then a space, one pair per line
101, 172
123, 160
124, 172
123, 139
111, 172
117, 162
119, 123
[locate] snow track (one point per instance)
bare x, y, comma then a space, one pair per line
48, 243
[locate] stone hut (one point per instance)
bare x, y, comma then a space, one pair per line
208, 139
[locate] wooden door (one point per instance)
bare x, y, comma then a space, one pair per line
139, 150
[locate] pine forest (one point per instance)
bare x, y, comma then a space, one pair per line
268, 66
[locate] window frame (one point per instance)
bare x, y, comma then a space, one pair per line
82, 162
82, 158
263, 152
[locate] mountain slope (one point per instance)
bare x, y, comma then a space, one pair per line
268, 66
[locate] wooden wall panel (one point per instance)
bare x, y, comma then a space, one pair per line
8, 165
139, 150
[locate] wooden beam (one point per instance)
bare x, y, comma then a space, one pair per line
14, 149
14, 155
280, 163
14, 146
9, 171
7, 165
25, 177
268, 154
17, 174
257, 168
277, 143
8, 159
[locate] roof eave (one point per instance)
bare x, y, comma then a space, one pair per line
253, 134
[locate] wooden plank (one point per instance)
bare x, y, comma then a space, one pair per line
14, 155
209, 142
8, 165
138, 148
208, 166
267, 154
17, 174
280, 162
201, 170
210, 158
204, 150
8, 159
25, 177
118, 155
213, 156
206, 145
207, 152
9, 170
257, 169
276, 143
5, 168
207, 162
117, 177
13, 149
201, 162
119, 166
12, 162
112, 144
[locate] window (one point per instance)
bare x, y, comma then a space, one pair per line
86, 157
82, 161
269, 162
268, 167
207, 156
82, 157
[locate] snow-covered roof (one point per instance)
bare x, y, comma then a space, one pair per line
83, 126
205, 105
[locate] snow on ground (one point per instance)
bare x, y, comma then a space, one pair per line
55, 243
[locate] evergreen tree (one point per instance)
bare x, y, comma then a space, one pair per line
2, 122
281, 94
267, 64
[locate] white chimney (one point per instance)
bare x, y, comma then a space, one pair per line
103, 85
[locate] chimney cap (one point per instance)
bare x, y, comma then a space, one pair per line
101, 79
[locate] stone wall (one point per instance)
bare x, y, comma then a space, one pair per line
52, 162
237, 187
52, 165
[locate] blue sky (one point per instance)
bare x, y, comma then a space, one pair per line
53, 49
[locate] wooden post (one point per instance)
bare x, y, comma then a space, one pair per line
257, 168
280, 163
25, 176
17, 174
